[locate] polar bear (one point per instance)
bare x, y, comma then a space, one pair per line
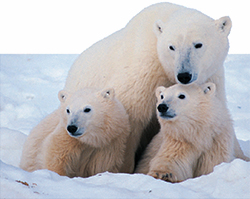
90, 137
164, 44
196, 134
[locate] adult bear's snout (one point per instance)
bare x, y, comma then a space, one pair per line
184, 78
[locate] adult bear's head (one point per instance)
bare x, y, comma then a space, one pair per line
192, 46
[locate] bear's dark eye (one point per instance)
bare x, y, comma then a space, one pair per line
172, 48
86, 110
159, 28
181, 96
162, 96
68, 111
198, 45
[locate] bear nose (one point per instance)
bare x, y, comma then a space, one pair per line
162, 108
72, 129
184, 78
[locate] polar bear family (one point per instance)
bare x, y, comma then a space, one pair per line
163, 45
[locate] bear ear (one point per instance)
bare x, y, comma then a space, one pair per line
159, 90
158, 27
108, 93
209, 88
224, 25
62, 95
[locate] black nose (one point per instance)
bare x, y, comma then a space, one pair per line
72, 129
184, 78
162, 108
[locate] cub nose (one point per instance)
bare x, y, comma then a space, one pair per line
162, 108
72, 129
184, 78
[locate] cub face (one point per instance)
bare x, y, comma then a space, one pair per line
182, 102
85, 110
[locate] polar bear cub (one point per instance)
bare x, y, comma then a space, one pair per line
195, 134
90, 137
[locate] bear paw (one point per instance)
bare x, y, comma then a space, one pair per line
166, 176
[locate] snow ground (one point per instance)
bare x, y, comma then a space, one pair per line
28, 92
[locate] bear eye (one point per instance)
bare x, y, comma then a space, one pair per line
86, 110
181, 96
159, 28
162, 96
172, 48
198, 45
68, 111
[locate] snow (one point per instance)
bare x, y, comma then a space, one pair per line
28, 92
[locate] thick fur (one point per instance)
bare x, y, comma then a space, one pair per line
196, 134
100, 145
137, 59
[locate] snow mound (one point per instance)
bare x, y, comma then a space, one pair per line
11, 145
229, 180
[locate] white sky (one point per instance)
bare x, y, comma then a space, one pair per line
70, 27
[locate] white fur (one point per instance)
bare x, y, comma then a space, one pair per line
136, 60
96, 146
196, 134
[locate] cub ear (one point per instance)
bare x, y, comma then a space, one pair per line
159, 90
108, 93
158, 27
224, 25
209, 88
62, 95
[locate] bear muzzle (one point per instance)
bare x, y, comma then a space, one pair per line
184, 78
162, 108
164, 111
73, 131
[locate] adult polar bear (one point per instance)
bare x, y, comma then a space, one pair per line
164, 44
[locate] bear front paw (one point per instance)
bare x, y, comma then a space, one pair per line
166, 176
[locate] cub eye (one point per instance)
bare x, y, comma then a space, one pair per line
162, 96
86, 110
68, 111
181, 96
172, 48
198, 45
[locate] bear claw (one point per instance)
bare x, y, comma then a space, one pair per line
169, 177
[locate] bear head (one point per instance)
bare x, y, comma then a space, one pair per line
186, 104
191, 46
90, 115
